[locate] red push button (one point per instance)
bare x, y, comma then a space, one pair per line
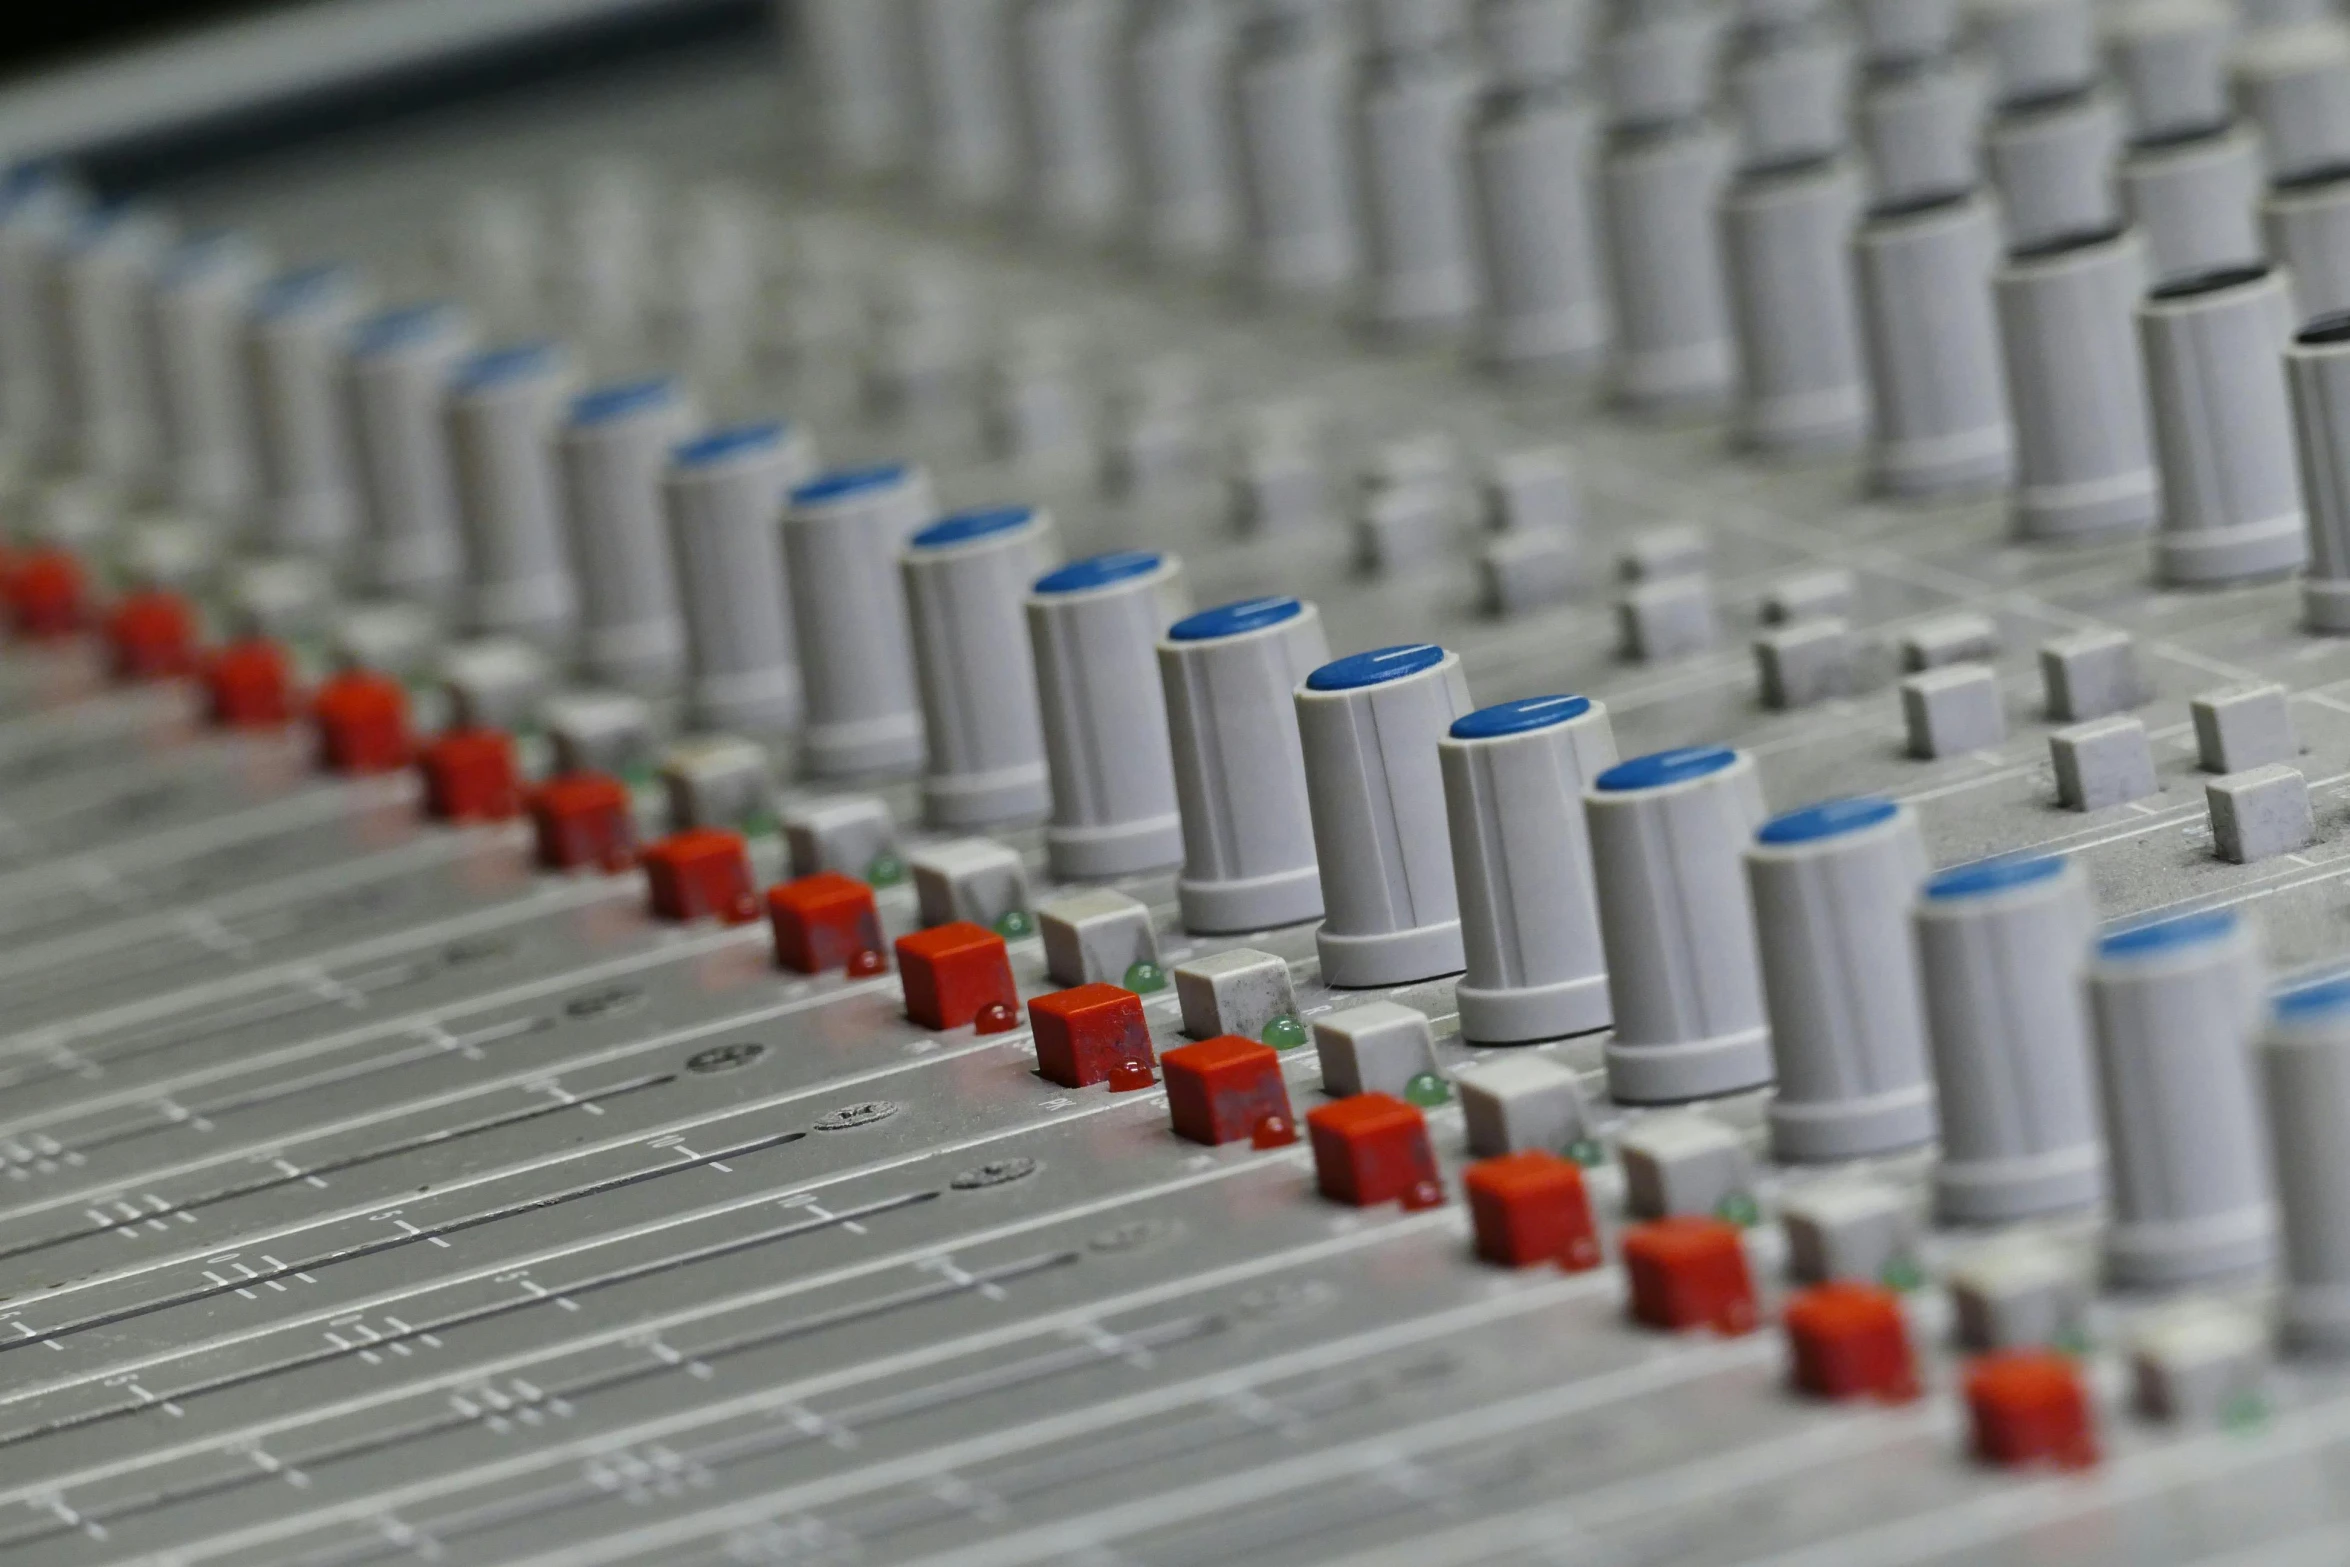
701, 872
1690, 1272
952, 973
2029, 1406
1531, 1207
1224, 1089
47, 593
1373, 1148
822, 921
1850, 1341
151, 636
1085, 1035
583, 819
362, 720
249, 685
470, 776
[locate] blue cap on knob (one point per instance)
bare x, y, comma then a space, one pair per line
1376, 667
1099, 571
1659, 768
1516, 718
1236, 619
965, 526
1827, 819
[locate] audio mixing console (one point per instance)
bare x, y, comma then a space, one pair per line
1196, 781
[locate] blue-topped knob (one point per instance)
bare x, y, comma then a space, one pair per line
967, 527
1094, 625
1520, 717
200, 308
842, 484
1236, 619
2305, 1071
2166, 938
622, 400
298, 340
1100, 571
403, 327
1684, 980
321, 286
2000, 944
615, 447
1663, 769
1828, 819
742, 653
1376, 667
397, 379
1832, 885
841, 535
503, 404
966, 579
1514, 776
104, 281
730, 443
1240, 784
508, 362
1369, 725
1988, 878
2326, 998
2176, 1006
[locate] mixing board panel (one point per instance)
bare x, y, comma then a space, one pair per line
1020, 968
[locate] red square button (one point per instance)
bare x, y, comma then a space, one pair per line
583, 819
1690, 1272
1373, 1148
701, 872
1221, 1090
249, 685
1082, 1035
151, 636
1531, 1207
46, 592
362, 720
822, 921
470, 776
1850, 1340
950, 972
2029, 1406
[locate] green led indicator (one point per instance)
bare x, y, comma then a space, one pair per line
1284, 1033
1013, 924
1427, 1089
2073, 1340
1587, 1152
2246, 1412
1740, 1209
1144, 977
1901, 1273
885, 870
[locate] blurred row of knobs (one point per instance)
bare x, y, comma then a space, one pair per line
1416, 143
2108, 347
390, 442
135, 394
